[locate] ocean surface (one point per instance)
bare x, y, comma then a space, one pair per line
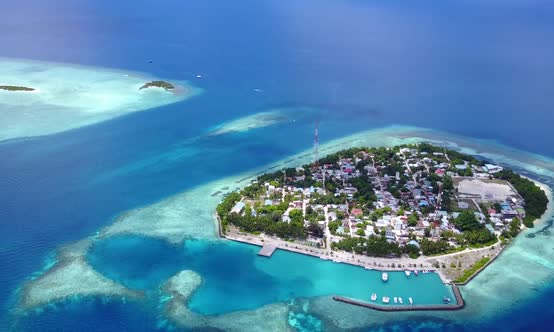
480, 72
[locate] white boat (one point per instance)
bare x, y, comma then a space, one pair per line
367, 268
386, 299
385, 276
395, 299
400, 300
374, 297
416, 272
411, 301
407, 273
336, 261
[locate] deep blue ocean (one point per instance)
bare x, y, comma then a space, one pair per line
483, 69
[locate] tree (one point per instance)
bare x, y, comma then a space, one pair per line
315, 230
466, 221
413, 219
412, 251
427, 232
360, 232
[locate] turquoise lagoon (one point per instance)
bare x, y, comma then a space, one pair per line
234, 271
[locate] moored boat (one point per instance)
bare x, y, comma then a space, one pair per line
446, 300
386, 299
416, 272
373, 297
400, 300
385, 276
411, 301
395, 299
407, 273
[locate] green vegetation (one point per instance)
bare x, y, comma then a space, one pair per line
269, 223
15, 88
374, 245
535, 199
474, 268
429, 248
474, 233
159, 84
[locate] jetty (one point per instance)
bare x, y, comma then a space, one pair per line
423, 307
267, 250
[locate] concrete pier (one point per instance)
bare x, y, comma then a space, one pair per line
267, 250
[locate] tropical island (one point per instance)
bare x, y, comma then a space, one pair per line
410, 206
158, 84
15, 88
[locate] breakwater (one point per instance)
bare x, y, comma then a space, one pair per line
424, 307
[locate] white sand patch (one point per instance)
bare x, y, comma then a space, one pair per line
181, 286
69, 96
261, 119
486, 189
69, 277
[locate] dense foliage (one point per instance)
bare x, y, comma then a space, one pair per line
433, 247
374, 245
473, 231
159, 84
15, 88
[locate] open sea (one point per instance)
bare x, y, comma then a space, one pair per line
480, 69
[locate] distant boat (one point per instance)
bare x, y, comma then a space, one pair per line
400, 300
411, 301
416, 272
446, 300
385, 276
386, 299
373, 297
395, 299
368, 268
336, 261
407, 273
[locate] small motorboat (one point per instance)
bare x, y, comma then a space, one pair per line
400, 300
416, 272
446, 300
374, 297
411, 301
407, 273
395, 299
385, 276
386, 299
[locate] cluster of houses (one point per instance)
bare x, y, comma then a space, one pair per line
406, 214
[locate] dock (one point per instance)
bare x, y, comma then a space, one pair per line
423, 307
267, 250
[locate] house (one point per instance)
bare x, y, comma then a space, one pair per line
238, 207
414, 243
492, 168
357, 212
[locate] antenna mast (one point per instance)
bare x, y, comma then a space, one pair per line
316, 144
